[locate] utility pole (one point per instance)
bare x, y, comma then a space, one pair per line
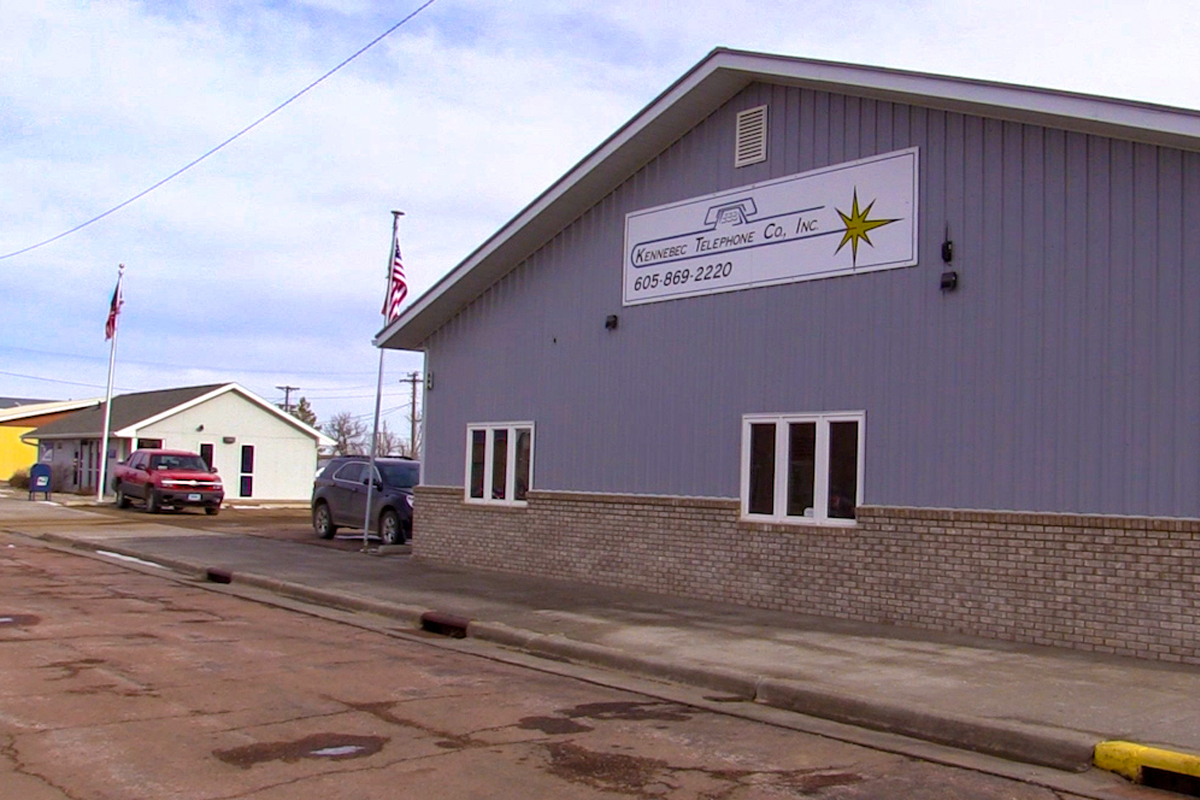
287, 396
413, 378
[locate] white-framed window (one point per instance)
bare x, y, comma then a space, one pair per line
499, 466
802, 468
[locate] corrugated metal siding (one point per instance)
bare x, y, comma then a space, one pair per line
1063, 375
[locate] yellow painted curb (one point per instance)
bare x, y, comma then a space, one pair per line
1128, 759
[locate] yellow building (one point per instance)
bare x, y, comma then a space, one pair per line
19, 420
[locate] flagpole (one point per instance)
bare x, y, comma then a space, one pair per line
112, 354
396, 215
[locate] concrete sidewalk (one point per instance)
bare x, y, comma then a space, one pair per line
1036, 705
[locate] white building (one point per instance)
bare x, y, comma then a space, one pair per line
260, 451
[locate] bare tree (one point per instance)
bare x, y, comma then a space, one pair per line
349, 434
388, 443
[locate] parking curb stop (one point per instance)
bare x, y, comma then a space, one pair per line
1130, 760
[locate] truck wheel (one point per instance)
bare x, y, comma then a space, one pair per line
153, 503
212, 511
122, 499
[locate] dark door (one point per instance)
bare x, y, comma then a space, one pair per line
246, 478
348, 494
206, 452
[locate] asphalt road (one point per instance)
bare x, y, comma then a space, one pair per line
122, 683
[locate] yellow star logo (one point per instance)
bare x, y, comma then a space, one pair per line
858, 226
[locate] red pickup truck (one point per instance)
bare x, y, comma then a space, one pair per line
173, 478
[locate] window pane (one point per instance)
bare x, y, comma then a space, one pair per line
524, 446
247, 458
843, 469
351, 473
478, 442
802, 455
403, 474
500, 464
762, 468
246, 486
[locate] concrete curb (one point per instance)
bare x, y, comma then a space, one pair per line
1065, 750
1059, 749
184, 567
1030, 744
334, 599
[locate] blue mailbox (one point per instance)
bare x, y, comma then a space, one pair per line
39, 480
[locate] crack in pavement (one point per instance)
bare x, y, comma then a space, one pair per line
9, 750
640, 776
383, 712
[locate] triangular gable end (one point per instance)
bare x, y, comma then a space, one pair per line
131, 431
711, 83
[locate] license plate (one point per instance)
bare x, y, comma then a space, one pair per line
194, 498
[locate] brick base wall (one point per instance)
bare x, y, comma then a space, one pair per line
1122, 585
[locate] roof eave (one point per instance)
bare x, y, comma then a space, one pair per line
1143, 122
64, 436
651, 131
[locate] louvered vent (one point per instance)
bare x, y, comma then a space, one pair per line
751, 146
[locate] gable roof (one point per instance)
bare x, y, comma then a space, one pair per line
127, 410
713, 82
44, 407
139, 409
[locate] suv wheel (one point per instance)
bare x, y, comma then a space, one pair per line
122, 499
390, 530
323, 522
153, 503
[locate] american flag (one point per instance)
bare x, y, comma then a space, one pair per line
114, 308
397, 289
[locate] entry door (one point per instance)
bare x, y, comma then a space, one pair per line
348, 494
206, 452
91, 466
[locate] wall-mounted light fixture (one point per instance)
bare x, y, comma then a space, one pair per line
949, 277
200, 427
228, 439
610, 322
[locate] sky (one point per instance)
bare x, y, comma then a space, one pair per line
266, 263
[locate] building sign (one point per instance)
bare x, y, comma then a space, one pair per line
860, 216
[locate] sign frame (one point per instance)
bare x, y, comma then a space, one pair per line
847, 218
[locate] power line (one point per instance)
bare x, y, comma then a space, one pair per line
382, 413
228, 141
310, 395
52, 380
317, 398
192, 365
287, 396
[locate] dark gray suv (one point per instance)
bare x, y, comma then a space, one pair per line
339, 497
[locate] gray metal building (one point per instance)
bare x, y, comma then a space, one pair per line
958, 388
